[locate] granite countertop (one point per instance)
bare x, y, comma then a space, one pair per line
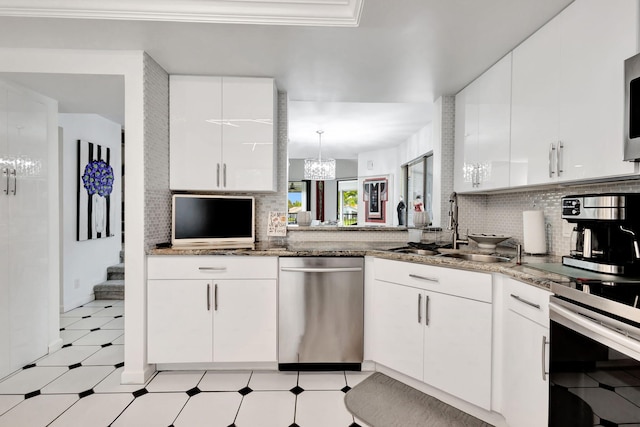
524, 272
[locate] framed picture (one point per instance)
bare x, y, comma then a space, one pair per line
375, 195
95, 183
277, 224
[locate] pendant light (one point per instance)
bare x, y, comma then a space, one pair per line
320, 169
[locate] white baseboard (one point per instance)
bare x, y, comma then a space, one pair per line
55, 345
219, 366
368, 365
137, 377
76, 302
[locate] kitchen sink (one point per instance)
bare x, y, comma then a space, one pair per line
414, 251
477, 257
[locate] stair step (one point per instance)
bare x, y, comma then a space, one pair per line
115, 272
111, 289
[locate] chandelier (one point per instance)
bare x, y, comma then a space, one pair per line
320, 169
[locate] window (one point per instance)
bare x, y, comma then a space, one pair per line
348, 202
299, 199
418, 187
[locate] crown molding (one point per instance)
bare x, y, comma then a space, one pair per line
343, 13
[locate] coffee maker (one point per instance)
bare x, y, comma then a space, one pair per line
605, 237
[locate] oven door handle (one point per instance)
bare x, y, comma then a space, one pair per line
594, 329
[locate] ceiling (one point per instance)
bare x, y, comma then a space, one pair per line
367, 87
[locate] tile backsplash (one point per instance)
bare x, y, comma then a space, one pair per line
502, 213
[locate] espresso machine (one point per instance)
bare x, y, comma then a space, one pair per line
605, 237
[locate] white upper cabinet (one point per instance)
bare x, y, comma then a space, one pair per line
222, 133
248, 134
596, 37
466, 142
534, 125
483, 114
568, 95
195, 132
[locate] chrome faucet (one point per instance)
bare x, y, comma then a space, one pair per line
453, 221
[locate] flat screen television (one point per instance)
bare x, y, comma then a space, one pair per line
213, 221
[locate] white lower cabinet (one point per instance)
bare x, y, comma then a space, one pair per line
457, 348
180, 321
525, 356
221, 317
244, 321
399, 334
422, 331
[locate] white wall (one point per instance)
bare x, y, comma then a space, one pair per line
130, 65
388, 162
417, 145
84, 263
380, 163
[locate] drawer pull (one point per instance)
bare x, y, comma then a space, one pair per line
428, 279
522, 300
217, 269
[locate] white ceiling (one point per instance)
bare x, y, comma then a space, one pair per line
403, 55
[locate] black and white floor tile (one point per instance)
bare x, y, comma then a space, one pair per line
79, 385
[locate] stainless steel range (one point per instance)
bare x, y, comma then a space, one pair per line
595, 315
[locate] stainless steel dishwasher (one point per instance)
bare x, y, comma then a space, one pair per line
321, 313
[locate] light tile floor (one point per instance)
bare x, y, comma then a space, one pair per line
79, 385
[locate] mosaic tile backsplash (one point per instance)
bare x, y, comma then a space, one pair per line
502, 213
157, 222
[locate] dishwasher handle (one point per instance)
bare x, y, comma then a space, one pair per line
321, 269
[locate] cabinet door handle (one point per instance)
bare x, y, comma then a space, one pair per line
5, 176
552, 147
426, 310
522, 300
215, 297
419, 308
478, 175
208, 297
559, 157
15, 182
544, 357
473, 175
224, 175
218, 175
428, 279
219, 269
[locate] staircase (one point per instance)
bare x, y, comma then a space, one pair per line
113, 288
